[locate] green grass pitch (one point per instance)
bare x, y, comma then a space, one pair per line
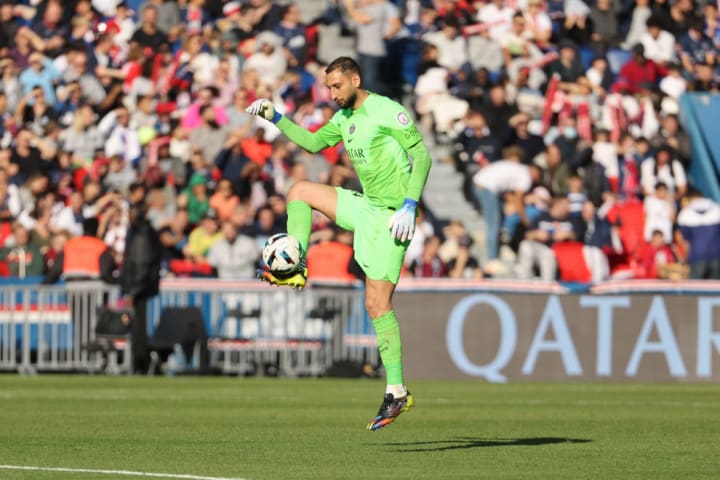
315, 429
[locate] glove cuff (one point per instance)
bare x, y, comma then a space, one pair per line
409, 202
276, 117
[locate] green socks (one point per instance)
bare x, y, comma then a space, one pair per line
299, 223
388, 340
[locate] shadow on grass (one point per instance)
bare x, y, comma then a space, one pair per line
469, 442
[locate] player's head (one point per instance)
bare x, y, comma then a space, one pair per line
343, 79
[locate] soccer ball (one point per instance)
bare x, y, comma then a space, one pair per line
282, 254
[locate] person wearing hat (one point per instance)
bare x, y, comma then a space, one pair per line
639, 74
532, 144
196, 197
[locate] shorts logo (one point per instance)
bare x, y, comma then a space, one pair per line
351, 130
402, 118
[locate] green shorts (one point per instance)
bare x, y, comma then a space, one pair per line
379, 255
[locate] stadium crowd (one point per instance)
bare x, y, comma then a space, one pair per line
561, 115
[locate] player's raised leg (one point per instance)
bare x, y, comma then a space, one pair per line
303, 197
378, 302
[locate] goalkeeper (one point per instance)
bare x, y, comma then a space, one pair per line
379, 136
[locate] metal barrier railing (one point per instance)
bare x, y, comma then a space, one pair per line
50, 328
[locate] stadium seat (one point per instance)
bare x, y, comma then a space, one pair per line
616, 58
571, 262
179, 329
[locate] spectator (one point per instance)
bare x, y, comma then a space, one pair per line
211, 135
509, 177
224, 201
122, 140
332, 257
658, 44
31, 155
464, 265
556, 171
83, 138
640, 15
41, 73
554, 226
71, 217
233, 255
202, 238
674, 136
429, 265
23, 257
452, 47
292, 33
699, 223
605, 25
659, 260
173, 237
639, 74
666, 169
139, 281
475, 147
196, 198
498, 16
530, 143
498, 113
149, 35
659, 213
83, 257
269, 60
376, 21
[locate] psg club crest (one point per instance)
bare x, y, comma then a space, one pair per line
402, 118
352, 129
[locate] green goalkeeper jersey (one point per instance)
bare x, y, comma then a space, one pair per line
377, 138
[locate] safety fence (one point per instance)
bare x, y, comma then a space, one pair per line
246, 326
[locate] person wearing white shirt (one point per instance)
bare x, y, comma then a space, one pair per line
509, 177
659, 213
663, 168
71, 217
234, 256
497, 16
452, 47
659, 45
123, 141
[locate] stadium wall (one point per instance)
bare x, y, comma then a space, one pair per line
503, 336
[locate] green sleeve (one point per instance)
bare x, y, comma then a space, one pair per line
328, 135
402, 129
420, 169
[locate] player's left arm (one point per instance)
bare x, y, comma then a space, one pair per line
402, 129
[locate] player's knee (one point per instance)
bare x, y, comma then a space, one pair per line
298, 191
377, 307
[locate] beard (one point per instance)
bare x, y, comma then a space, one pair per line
347, 102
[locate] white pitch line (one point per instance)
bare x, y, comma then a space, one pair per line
127, 473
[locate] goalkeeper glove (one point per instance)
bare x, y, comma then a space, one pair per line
402, 223
264, 108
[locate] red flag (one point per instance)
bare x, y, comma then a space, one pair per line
549, 97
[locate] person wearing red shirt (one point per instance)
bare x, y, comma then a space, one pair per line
639, 74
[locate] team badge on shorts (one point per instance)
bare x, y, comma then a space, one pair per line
351, 130
402, 118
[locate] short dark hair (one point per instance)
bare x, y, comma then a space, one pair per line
344, 64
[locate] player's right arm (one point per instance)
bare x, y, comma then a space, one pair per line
327, 136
